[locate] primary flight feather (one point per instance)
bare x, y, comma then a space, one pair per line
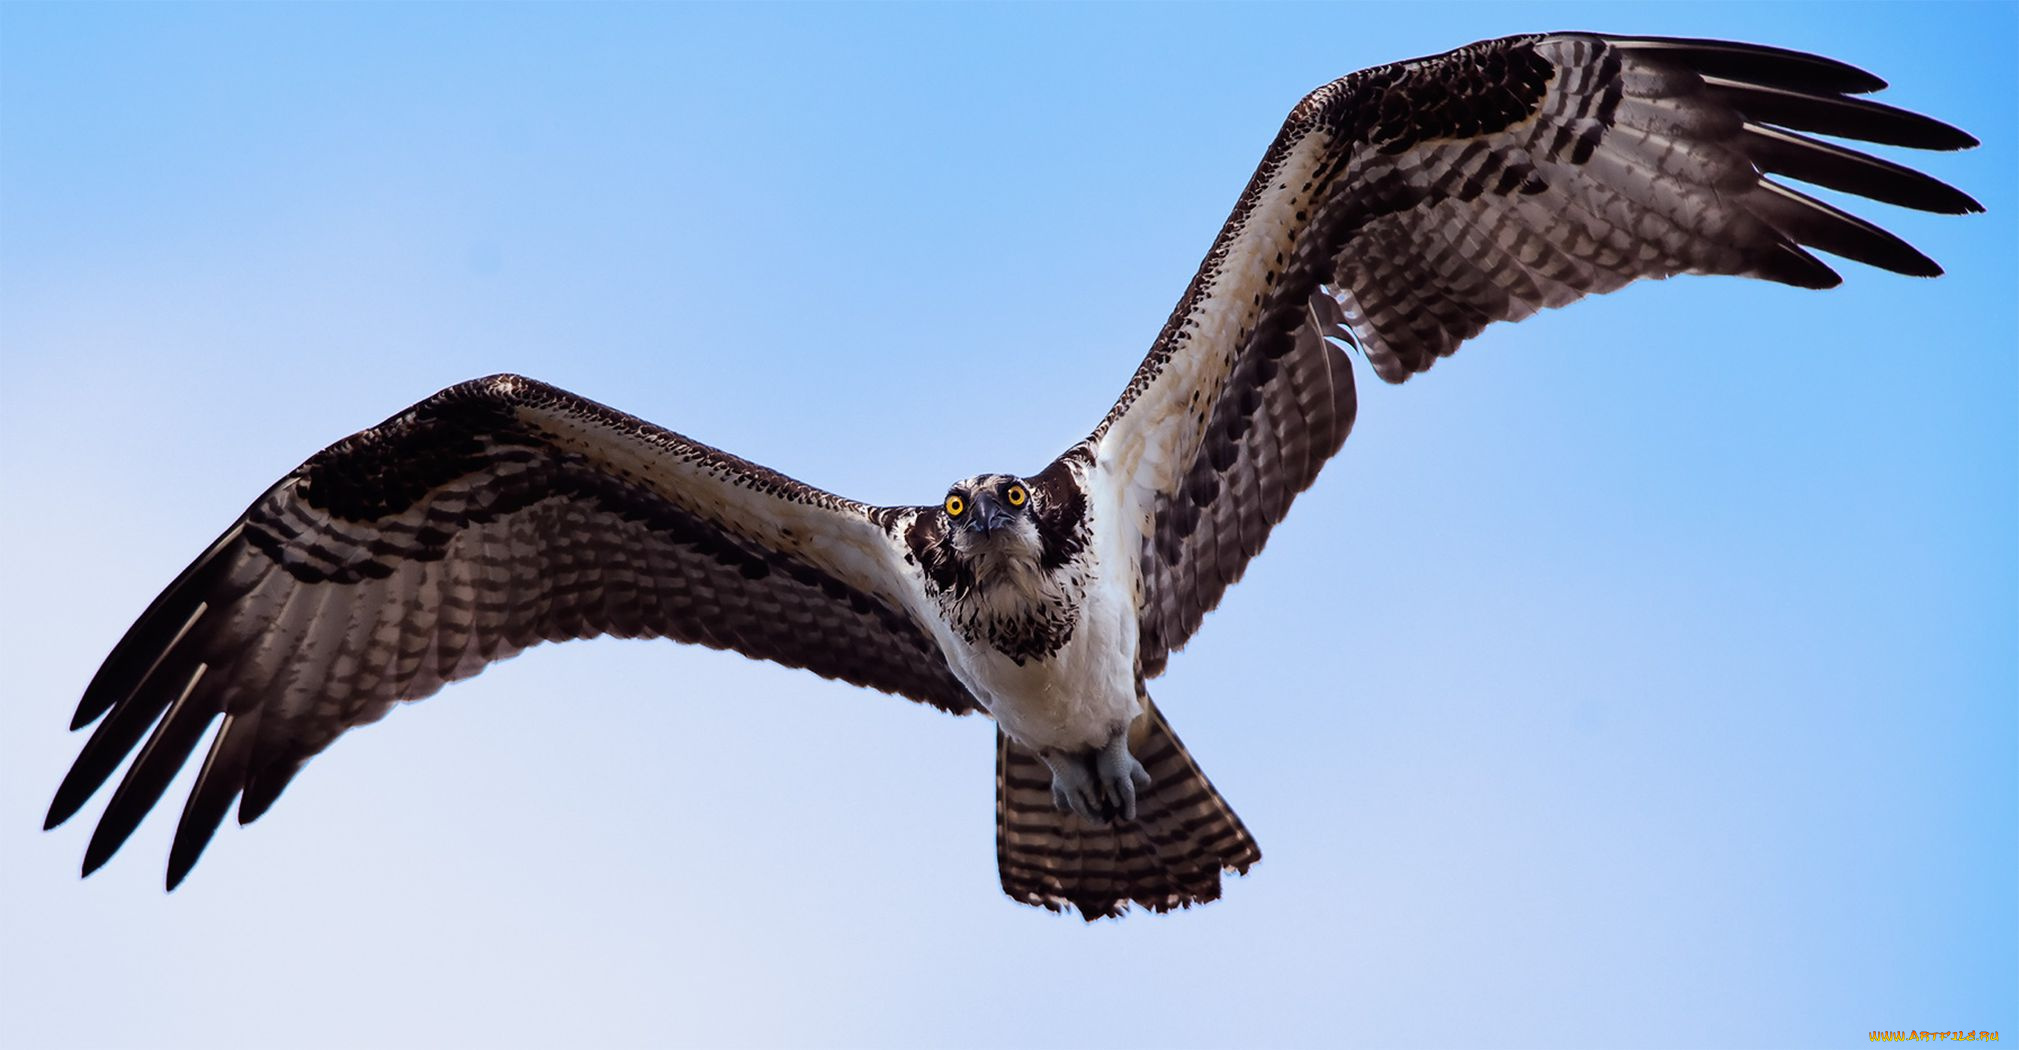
1400, 210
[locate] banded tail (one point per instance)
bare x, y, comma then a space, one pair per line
1169, 857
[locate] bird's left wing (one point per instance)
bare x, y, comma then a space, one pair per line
495, 515
1405, 208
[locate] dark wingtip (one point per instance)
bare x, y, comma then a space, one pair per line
96, 854
1839, 115
1790, 265
256, 800
1800, 90
1941, 135
95, 703
70, 797
1958, 203
1759, 62
1798, 156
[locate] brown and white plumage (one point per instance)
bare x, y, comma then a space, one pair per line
1170, 857
493, 516
1400, 210
1404, 208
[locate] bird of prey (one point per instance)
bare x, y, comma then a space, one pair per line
1399, 212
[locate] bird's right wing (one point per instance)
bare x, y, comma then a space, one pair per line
492, 516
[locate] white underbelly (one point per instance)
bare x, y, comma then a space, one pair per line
1076, 699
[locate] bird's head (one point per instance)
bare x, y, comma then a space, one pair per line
990, 515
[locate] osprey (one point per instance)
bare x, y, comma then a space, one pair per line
1400, 211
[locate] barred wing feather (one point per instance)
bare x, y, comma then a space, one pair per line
491, 517
1403, 209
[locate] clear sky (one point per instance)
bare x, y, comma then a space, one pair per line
1644, 676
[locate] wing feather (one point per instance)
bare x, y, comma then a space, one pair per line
493, 516
1429, 199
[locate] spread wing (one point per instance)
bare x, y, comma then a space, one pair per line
1405, 208
491, 517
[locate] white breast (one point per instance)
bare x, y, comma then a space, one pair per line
1078, 697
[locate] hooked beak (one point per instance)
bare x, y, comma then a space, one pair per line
989, 513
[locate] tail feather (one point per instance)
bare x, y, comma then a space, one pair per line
1169, 857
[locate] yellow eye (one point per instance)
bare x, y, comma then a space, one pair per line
1017, 495
954, 505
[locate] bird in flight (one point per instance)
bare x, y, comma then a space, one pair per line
1399, 212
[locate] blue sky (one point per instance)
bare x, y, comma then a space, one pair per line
1643, 676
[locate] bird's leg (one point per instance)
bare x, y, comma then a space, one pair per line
1121, 774
1100, 785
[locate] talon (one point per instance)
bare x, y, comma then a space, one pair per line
1073, 786
1121, 774
1101, 785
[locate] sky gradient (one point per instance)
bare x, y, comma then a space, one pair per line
1643, 676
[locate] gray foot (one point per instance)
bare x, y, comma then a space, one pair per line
1098, 785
